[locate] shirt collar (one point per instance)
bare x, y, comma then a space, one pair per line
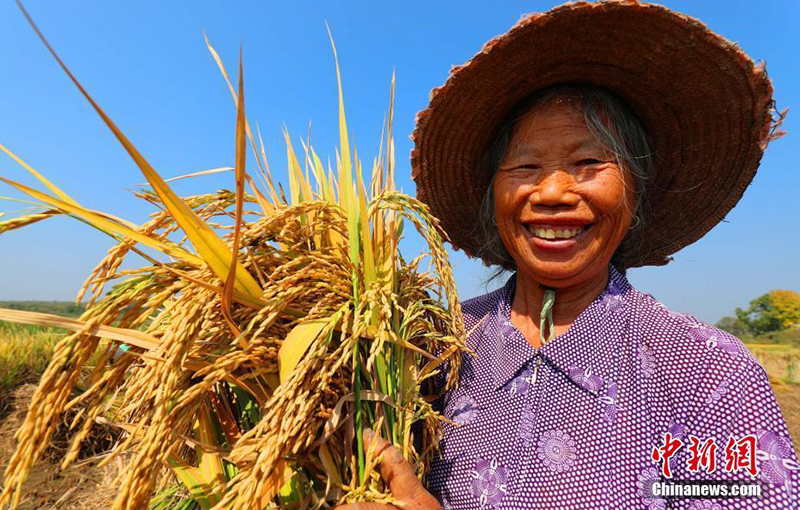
588, 352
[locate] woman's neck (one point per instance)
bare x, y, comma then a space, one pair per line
569, 303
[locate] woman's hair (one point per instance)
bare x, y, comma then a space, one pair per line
611, 122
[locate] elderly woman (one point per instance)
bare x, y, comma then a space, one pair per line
585, 141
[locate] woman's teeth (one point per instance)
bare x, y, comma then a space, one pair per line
552, 232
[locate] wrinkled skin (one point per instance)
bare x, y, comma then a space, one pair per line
553, 171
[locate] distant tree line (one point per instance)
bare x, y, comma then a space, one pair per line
777, 310
63, 308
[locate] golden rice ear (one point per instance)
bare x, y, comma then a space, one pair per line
29, 219
250, 369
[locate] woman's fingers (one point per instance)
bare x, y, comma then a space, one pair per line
399, 475
396, 472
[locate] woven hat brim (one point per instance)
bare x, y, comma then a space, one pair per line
707, 108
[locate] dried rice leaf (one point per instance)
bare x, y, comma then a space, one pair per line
106, 225
127, 336
299, 340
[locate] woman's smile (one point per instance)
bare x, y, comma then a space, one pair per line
556, 237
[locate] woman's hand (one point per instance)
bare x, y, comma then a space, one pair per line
399, 477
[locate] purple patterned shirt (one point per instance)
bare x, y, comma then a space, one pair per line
573, 424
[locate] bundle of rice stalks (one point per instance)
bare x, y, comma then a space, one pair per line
243, 371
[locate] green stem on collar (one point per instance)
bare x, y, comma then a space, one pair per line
548, 301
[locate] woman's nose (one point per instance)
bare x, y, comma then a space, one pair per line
555, 189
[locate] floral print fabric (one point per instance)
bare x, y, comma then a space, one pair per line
572, 424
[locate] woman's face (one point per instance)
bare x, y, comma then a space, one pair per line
562, 203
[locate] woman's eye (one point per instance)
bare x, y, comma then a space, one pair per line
521, 169
518, 166
589, 161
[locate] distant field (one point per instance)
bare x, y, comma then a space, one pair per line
781, 361
24, 353
25, 350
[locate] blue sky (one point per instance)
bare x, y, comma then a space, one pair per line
147, 65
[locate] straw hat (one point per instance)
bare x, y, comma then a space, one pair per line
706, 106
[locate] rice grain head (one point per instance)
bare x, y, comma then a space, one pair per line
292, 326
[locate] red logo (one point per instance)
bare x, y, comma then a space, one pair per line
740, 454
702, 455
665, 452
